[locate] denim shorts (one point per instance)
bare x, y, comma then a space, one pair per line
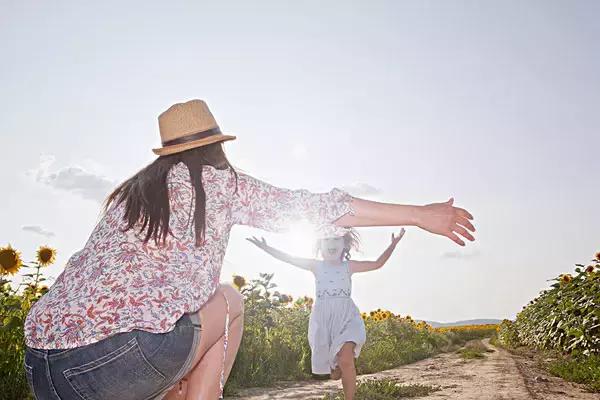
134, 365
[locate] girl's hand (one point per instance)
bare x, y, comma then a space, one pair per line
260, 243
446, 220
396, 239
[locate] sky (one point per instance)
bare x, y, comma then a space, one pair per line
495, 103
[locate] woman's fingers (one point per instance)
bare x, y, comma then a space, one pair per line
463, 232
466, 223
455, 239
463, 213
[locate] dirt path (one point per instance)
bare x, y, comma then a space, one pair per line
499, 376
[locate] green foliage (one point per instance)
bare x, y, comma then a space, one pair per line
565, 317
474, 349
393, 342
385, 389
275, 345
508, 335
14, 306
580, 369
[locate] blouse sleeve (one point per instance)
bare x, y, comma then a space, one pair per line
267, 207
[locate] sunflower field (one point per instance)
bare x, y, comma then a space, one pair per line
563, 323
275, 345
565, 317
15, 303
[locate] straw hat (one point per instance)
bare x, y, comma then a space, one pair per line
186, 126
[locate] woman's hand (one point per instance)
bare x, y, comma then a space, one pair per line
396, 239
446, 220
260, 243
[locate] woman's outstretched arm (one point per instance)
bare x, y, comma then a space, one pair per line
259, 204
438, 218
304, 263
364, 266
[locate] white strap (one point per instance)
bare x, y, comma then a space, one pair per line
225, 341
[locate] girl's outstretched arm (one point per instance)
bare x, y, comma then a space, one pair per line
439, 218
364, 266
304, 263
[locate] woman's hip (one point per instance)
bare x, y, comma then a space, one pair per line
129, 365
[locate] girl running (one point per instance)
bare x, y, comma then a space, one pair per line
336, 331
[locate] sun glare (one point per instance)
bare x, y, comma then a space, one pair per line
302, 239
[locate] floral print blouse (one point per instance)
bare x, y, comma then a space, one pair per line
118, 283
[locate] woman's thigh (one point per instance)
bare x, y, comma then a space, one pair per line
213, 315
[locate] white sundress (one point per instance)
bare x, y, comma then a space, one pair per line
334, 319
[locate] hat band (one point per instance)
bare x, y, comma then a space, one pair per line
193, 137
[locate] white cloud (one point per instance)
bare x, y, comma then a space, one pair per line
73, 179
361, 189
38, 230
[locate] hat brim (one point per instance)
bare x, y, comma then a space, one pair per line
177, 148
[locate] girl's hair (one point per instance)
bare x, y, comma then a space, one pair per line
146, 196
351, 242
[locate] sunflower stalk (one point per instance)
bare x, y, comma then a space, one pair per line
15, 304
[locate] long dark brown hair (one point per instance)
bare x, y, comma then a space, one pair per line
146, 196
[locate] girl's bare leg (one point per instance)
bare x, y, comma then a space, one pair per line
336, 373
346, 363
203, 380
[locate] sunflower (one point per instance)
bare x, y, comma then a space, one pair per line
590, 269
566, 278
286, 298
10, 260
598, 256
30, 289
46, 256
239, 281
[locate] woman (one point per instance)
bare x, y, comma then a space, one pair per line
139, 311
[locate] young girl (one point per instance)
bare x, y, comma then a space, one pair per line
336, 331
